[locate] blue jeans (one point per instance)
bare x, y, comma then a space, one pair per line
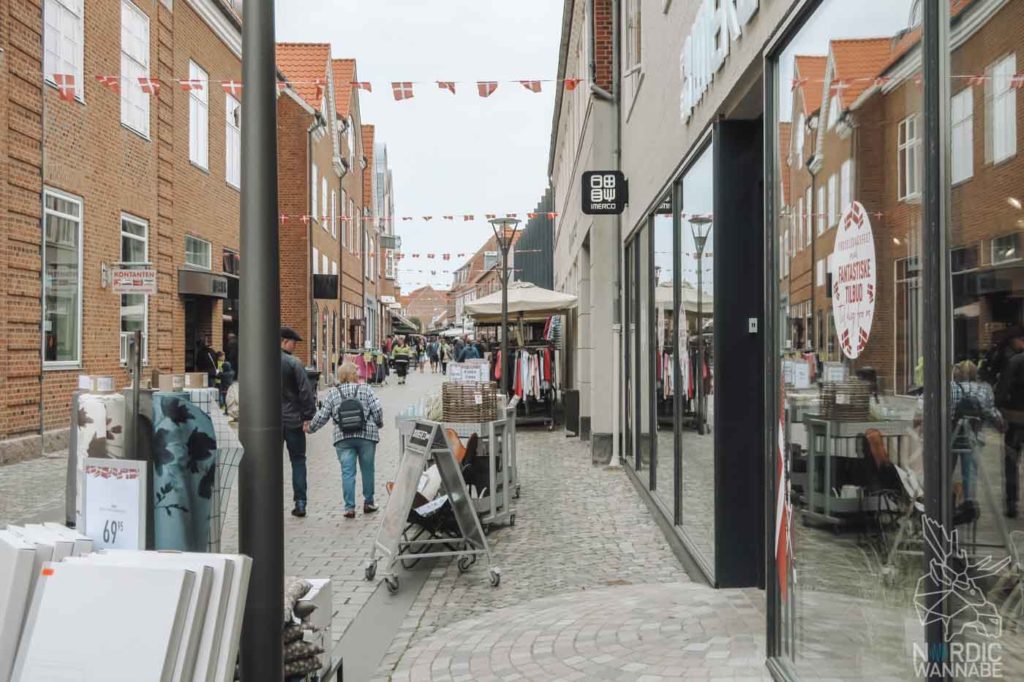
295, 439
349, 450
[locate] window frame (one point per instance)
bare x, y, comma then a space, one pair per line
1016, 249
961, 121
129, 82
995, 94
323, 203
314, 188
77, 362
833, 201
232, 141
122, 348
209, 252
79, 67
908, 149
334, 213
199, 107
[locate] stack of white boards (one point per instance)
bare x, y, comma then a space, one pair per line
117, 615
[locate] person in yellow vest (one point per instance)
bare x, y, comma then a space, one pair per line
401, 354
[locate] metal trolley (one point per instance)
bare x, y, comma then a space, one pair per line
466, 541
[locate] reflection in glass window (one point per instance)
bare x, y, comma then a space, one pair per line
1001, 109
962, 148
909, 158
62, 278
134, 252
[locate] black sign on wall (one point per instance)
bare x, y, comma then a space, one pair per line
325, 287
604, 192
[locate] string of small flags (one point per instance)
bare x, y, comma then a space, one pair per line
836, 86
67, 85
469, 217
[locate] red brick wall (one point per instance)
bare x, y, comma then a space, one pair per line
294, 237
603, 38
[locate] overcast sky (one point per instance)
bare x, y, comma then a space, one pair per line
449, 154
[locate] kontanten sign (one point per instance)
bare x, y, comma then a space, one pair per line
128, 281
854, 280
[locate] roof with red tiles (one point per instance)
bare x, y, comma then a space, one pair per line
785, 130
813, 69
302, 65
856, 63
368, 135
344, 75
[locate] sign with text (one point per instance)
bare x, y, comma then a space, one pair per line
853, 280
125, 281
114, 501
604, 192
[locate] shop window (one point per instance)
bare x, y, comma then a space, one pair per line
134, 65
964, 259
962, 149
198, 115
134, 308
909, 159
1006, 249
1001, 87
64, 41
62, 279
198, 252
233, 141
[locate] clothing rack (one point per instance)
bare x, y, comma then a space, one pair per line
538, 383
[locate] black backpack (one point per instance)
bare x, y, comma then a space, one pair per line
350, 416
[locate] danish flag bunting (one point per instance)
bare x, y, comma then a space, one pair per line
486, 88
428, 218
532, 86
798, 83
491, 216
282, 86
65, 86
362, 85
150, 86
188, 85
449, 217
233, 88
467, 217
447, 85
976, 80
511, 215
882, 81
402, 90
1017, 81
406, 218
319, 82
552, 215
112, 83
446, 256
571, 83
531, 216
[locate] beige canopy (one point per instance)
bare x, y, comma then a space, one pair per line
525, 302
688, 296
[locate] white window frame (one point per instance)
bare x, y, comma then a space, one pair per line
833, 200
334, 214
232, 141
799, 132
344, 223
314, 190
199, 117
124, 336
820, 209
353, 216
316, 261
134, 65
845, 187
1016, 249
908, 159
633, 63
334, 267
209, 252
834, 107
800, 220
325, 263
1001, 110
809, 225
819, 271
64, 43
962, 133
80, 218
323, 202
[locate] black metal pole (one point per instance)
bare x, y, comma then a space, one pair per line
699, 382
261, 521
504, 313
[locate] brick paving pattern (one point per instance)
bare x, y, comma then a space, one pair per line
33, 489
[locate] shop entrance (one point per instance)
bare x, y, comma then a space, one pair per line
198, 326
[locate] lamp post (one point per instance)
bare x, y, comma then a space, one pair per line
504, 234
700, 226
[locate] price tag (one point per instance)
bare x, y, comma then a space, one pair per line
114, 501
478, 398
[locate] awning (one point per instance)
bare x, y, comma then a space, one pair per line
525, 302
201, 283
401, 325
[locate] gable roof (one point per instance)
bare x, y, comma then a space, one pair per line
858, 62
813, 69
785, 129
344, 74
302, 65
368, 198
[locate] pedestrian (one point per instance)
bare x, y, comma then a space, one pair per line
434, 351
421, 348
358, 417
402, 356
1010, 401
470, 351
231, 351
445, 354
972, 405
206, 360
225, 377
298, 405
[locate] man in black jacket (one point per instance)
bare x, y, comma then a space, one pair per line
298, 405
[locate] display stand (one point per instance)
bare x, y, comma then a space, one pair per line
391, 543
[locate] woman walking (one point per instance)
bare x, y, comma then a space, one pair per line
358, 418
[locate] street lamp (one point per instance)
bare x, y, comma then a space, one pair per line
504, 234
700, 226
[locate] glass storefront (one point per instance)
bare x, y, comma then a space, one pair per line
896, 222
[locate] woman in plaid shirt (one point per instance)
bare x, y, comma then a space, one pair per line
354, 446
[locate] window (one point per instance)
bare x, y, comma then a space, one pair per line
833, 200
963, 259
334, 214
809, 205
62, 278
1005, 249
835, 106
325, 267
233, 141
334, 267
353, 218
799, 134
198, 116
231, 263
316, 261
345, 219
323, 201
389, 264
819, 210
1001, 110
800, 217
908, 159
845, 185
197, 252
634, 42
64, 41
490, 259
134, 65
962, 110
134, 251
314, 190
819, 276
371, 258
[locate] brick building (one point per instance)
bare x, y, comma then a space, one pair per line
127, 176
310, 171
384, 193
370, 241
479, 276
425, 304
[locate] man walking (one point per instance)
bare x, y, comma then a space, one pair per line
298, 405
1010, 400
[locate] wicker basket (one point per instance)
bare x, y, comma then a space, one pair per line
846, 401
469, 402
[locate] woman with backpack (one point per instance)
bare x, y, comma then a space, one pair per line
358, 417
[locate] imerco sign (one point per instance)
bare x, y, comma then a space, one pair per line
604, 193
719, 23
854, 280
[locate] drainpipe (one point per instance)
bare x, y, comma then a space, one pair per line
811, 163
617, 321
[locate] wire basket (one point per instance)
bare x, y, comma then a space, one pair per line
469, 402
228, 459
846, 401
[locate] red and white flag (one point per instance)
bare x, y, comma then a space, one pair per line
319, 83
882, 81
449, 217
188, 85
486, 88
65, 86
532, 86
491, 216
112, 83
283, 218
1017, 81
402, 90
447, 85
976, 80
233, 88
460, 255
467, 217
531, 216
430, 256
798, 83
511, 215
571, 83
305, 219
363, 85
150, 86
446, 256
552, 215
